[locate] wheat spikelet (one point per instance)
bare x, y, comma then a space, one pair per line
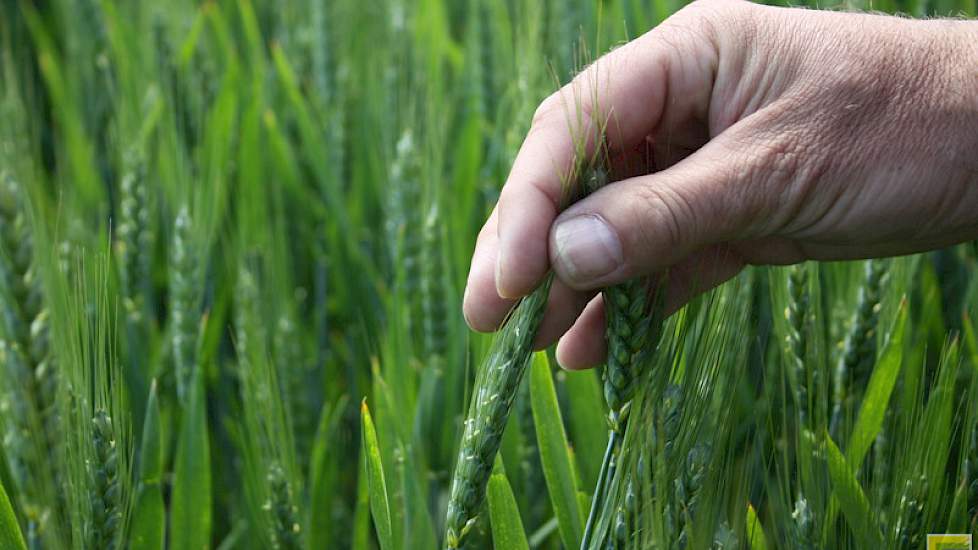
295, 378
133, 240
908, 529
797, 310
404, 224
477, 61
31, 416
802, 533
22, 450
286, 532
687, 491
796, 313
245, 311
632, 329
855, 364
183, 303
664, 434
104, 493
622, 532
433, 283
492, 399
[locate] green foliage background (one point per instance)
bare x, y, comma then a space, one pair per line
225, 224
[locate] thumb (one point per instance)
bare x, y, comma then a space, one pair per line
645, 224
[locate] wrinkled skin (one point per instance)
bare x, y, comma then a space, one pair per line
777, 135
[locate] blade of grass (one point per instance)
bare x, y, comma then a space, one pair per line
10, 535
190, 509
361, 512
957, 521
376, 484
554, 453
323, 476
852, 500
755, 531
586, 417
877, 398
148, 527
938, 417
504, 515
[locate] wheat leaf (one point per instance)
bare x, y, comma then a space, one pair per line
852, 500
190, 513
149, 513
881, 384
554, 453
376, 484
504, 515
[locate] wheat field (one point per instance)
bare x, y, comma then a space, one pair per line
234, 236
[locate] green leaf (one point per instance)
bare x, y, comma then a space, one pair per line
148, 528
418, 529
504, 515
361, 513
587, 421
376, 484
385, 420
852, 500
938, 419
755, 532
7, 480
10, 535
970, 342
323, 476
957, 521
190, 514
554, 454
877, 397
931, 309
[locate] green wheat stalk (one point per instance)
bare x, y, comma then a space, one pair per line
633, 325
496, 385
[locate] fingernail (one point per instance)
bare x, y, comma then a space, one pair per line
587, 248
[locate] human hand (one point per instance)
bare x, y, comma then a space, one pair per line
781, 135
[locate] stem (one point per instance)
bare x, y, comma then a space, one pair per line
599, 488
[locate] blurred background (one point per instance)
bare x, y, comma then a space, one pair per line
226, 224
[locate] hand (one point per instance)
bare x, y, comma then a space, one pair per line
780, 135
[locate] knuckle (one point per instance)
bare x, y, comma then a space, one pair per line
710, 17
504, 203
724, 9
666, 215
